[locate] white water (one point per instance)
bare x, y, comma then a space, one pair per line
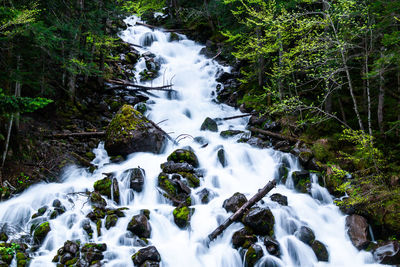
248, 170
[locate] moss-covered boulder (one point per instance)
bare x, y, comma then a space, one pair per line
41, 232
129, 131
175, 167
306, 235
253, 254
3, 237
103, 186
302, 181
182, 216
281, 199
111, 221
139, 226
320, 250
234, 203
96, 200
146, 254
174, 189
136, 179
260, 220
243, 238
209, 125
184, 155
40, 212
230, 133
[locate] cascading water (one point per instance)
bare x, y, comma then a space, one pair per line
247, 170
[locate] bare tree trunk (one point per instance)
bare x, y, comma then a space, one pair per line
328, 101
367, 83
342, 110
398, 106
18, 90
261, 61
381, 99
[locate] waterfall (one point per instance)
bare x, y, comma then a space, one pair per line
247, 169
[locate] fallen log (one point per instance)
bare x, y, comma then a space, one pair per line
142, 87
274, 135
161, 29
234, 217
234, 117
77, 135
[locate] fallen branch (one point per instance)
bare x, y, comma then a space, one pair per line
219, 53
81, 134
164, 132
234, 117
142, 87
161, 29
274, 135
234, 217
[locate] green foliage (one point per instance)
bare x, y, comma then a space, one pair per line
10, 250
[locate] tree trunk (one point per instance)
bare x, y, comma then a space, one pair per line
381, 100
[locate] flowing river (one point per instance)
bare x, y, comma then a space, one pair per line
248, 169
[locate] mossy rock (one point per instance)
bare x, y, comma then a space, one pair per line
129, 131
103, 186
182, 216
97, 201
320, 250
230, 133
111, 221
41, 232
191, 178
209, 125
166, 184
253, 254
184, 155
3, 237
301, 181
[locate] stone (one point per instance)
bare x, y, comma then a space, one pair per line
209, 125
3, 237
103, 186
221, 157
281, 199
272, 246
234, 203
175, 167
243, 238
253, 254
71, 247
41, 232
136, 178
305, 234
129, 131
115, 190
205, 195
301, 181
56, 203
87, 227
230, 133
184, 155
260, 220
357, 228
111, 221
387, 252
146, 254
182, 216
140, 226
320, 250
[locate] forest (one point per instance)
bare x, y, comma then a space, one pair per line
320, 78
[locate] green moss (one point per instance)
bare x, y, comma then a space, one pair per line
192, 179
181, 216
98, 227
71, 262
184, 155
322, 152
90, 155
166, 184
103, 186
41, 231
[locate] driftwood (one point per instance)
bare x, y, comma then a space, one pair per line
234, 217
141, 87
77, 135
274, 135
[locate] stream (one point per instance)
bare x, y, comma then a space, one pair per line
247, 169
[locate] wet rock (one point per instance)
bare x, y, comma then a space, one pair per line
96, 214
243, 238
253, 254
182, 216
320, 250
222, 158
191, 179
209, 125
234, 203
111, 221
150, 264
140, 226
272, 126
230, 133
301, 181
115, 190
357, 227
184, 155
283, 146
306, 235
205, 195
103, 186
3, 237
283, 172
71, 247
258, 142
387, 252
146, 254
175, 190
87, 227
146, 213
147, 39
141, 107
93, 253
136, 178
223, 77
40, 212
56, 203
174, 167
281, 199
129, 131
260, 220
256, 120
41, 232
201, 141
272, 246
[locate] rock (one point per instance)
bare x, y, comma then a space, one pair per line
40, 212
281, 199
283, 172
205, 195
175, 190
136, 178
184, 155
201, 141
173, 167
387, 252
3, 237
234, 203
103, 186
223, 77
209, 125
256, 120
87, 227
71, 247
230, 133
243, 238
182, 216
253, 254
272, 246
56, 203
191, 179
305, 234
357, 227
272, 126
141, 107
41, 232
146, 254
115, 190
260, 220
301, 181
258, 142
320, 250
221, 157
140, 226
129, 131
93, 253
305, 156
111, 221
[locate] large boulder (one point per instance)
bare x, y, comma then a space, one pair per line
103, 186
209, 125
41, 232
301, 181
253, 254
306, 235
136, 179
260, 220
320, 250
129, 131
184, 155
281, 199
357, 229
140, 226
175, 167
272, 246
234, 203
146, 254
387, 252
243, 238
182, 216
